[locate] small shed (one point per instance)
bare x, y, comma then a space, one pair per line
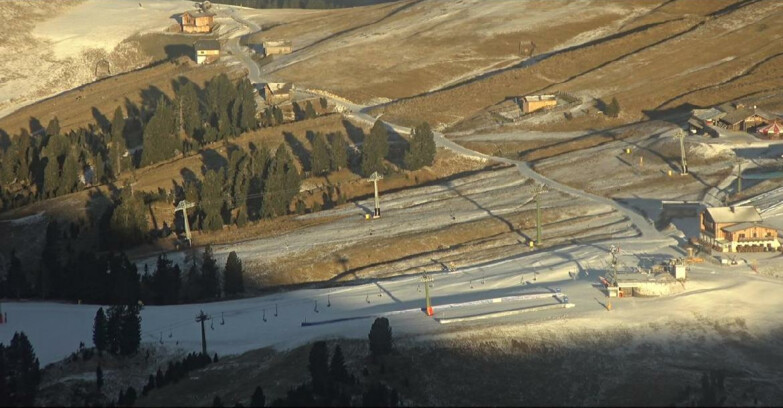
532, 103
207, 51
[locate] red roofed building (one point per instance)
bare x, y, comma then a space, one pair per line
772, 131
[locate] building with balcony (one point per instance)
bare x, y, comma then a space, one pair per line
736, 229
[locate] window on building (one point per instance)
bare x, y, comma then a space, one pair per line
742, 236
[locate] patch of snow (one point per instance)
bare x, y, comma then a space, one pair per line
30, 219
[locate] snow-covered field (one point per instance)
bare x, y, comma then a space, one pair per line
237, 326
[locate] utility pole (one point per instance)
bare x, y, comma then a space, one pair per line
201, 318
426, 279
538, 191
374, 178
183, 206
681, 135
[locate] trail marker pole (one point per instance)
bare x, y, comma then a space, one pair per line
427, 279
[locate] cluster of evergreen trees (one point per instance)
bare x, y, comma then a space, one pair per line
51, 163
220, 112
177, 371
120, 331
302, 4
113, 279
330, 153
331, 384
19, 372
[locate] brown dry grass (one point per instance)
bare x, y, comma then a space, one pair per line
690, 57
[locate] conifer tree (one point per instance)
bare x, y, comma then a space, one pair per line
188, 104
130, 330
258, 400
421, 149
614, 108
23, 369
70, 175
310, 111
51, 177
99, 377
128, 223
212, 200
319, 159
374, 149
282, 184
53, 128
209, 275
247, 112
160, 140
319, 367
232, 275
338, 151
113, 328
337, 367
99, 331
16, 281
380, 337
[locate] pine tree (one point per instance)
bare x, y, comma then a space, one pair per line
100, 170
113, 328
375, 148
209, 275
232, 275
130, 330
51, 176
16, 281
23, 369
338, 151
128, 222
247, 114
99, 331
217, 402
380, 337
319, 367
282, 184
99, 377
70, 175
613, 109
310, 111
130, 396
166, 282
337, 367
319, 159
212, 200
160, 141
258, 400
53, 128
323, 102
188, 105
421, 149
